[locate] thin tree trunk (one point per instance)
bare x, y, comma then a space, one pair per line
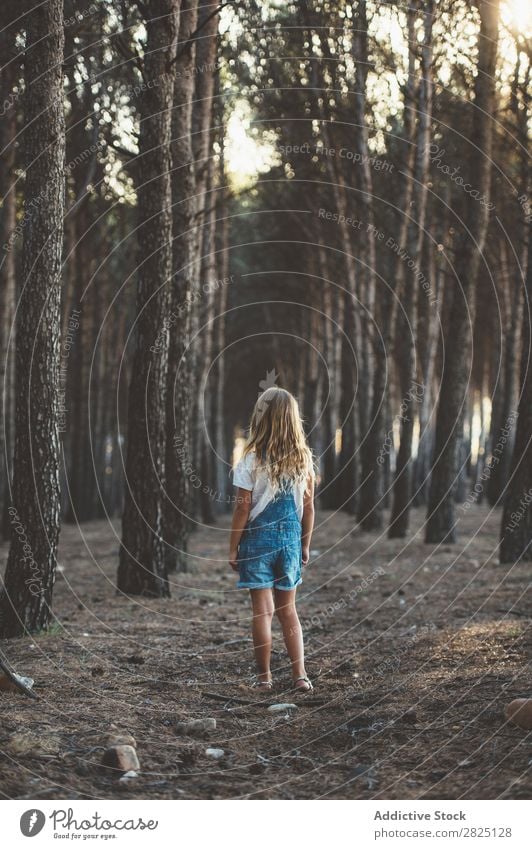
208, 328
345, 489
332, 306
429, 325
516, 525
411, 392
514, 291
368, 270
223, 273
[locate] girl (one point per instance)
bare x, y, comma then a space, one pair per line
272, 526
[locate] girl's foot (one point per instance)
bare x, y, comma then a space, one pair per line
263, 683
303, 684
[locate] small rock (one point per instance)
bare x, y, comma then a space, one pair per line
215, 754
196, 726
520, 713
122, 758
117, 738
128, 776
282, 706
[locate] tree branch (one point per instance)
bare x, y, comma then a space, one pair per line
193, 36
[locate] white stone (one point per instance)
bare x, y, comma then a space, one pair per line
281, 707
128, 776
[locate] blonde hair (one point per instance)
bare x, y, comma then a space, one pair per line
277, 437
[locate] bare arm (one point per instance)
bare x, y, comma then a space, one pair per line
307, 521
240, 519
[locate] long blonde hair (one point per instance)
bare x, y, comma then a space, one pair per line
276, 436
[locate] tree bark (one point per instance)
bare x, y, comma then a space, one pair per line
25, 604
332, 307
507, 393
202, 121
411, 396
374, 464
365, 198
9, 77
177, 508
516, 525
222, 294
142, 567
441, 523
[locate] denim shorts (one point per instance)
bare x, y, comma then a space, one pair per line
269, 554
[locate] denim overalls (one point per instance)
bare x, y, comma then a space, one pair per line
269, 554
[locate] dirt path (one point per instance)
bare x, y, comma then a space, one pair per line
413, 650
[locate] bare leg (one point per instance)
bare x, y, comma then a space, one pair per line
262, 604
285, 608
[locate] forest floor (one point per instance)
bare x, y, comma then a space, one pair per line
413, 649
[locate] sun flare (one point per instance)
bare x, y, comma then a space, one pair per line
518, 14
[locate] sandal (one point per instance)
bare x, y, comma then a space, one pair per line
262, 685
307, 681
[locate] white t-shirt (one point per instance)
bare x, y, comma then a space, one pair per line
249, 475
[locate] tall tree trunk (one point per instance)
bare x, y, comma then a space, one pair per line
346, 487
411, 396
516, 526
142, 568
505, 404
441, 515
374, 460
514, 293
208, 328
344, 495
25, 604
368, 271
332, 307
9, 76
177, 507
202, 119
428, 325
79, 367
223, 274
